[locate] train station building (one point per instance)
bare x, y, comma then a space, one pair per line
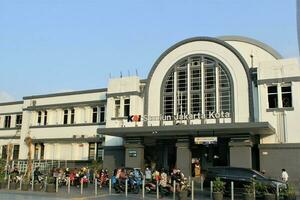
227, 101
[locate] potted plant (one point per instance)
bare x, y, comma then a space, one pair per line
13, 182
218, 189
249, 191
184, 190
25, 184
51, 187
265, 192
289, 193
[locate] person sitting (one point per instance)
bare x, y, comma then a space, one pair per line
123, 176
15, 170
37, 174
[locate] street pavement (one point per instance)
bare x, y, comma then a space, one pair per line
88, 194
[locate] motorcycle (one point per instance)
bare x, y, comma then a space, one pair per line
151, 188
133, 185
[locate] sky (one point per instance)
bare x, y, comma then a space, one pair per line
49, 46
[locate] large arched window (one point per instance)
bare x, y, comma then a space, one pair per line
197, 84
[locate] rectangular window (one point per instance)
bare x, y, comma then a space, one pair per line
72, 116
100, 152
66, 112
168, 108
36, 152
272, 97
92, 151
102, 114
7, 121
126, 107
4, 151
19, 121
42, 151
95, 114
210, 78
286, 93
210, 103
196, 103
16, 152
117, 108
182, 80
182, 103
45, 118
39, 121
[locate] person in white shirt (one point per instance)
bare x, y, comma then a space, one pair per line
284, 175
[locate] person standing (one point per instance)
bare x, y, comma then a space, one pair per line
148, 175
284, 176
197, 170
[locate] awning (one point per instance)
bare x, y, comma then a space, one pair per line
224, 129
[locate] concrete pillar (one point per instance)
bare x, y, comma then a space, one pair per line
240, 154
184, 156
134, 155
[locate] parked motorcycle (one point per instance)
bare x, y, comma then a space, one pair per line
132, 185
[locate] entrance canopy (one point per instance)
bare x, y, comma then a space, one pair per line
231, 129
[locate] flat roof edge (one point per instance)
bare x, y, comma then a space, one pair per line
65, 93
11, 103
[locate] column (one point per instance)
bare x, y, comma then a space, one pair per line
240, 154
184, 156
134, 154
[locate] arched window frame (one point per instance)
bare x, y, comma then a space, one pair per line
215, 84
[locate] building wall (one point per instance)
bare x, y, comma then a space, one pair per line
284, 120
234, 65
274, 157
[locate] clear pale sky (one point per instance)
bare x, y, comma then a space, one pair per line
50, 46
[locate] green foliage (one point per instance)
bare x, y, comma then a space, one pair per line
289, 191
2, 170
218, 185
96, 165
184, 185
261, 188
50, 180
249, 188
25, 180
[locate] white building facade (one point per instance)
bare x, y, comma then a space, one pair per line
229, 101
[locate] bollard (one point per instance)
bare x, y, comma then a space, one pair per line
193, 190
8, 183
21, 180
201, 183
69, 184
254, 192
157, 190
189, 180
96, 187
81, 186
45, 184
143, 188
126, 188
174, 190
110, 186
277, 191
32, 182
56, 185
211, 189
232, 190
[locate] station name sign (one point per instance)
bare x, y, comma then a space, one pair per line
209, 115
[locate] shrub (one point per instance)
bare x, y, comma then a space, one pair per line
218, 185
